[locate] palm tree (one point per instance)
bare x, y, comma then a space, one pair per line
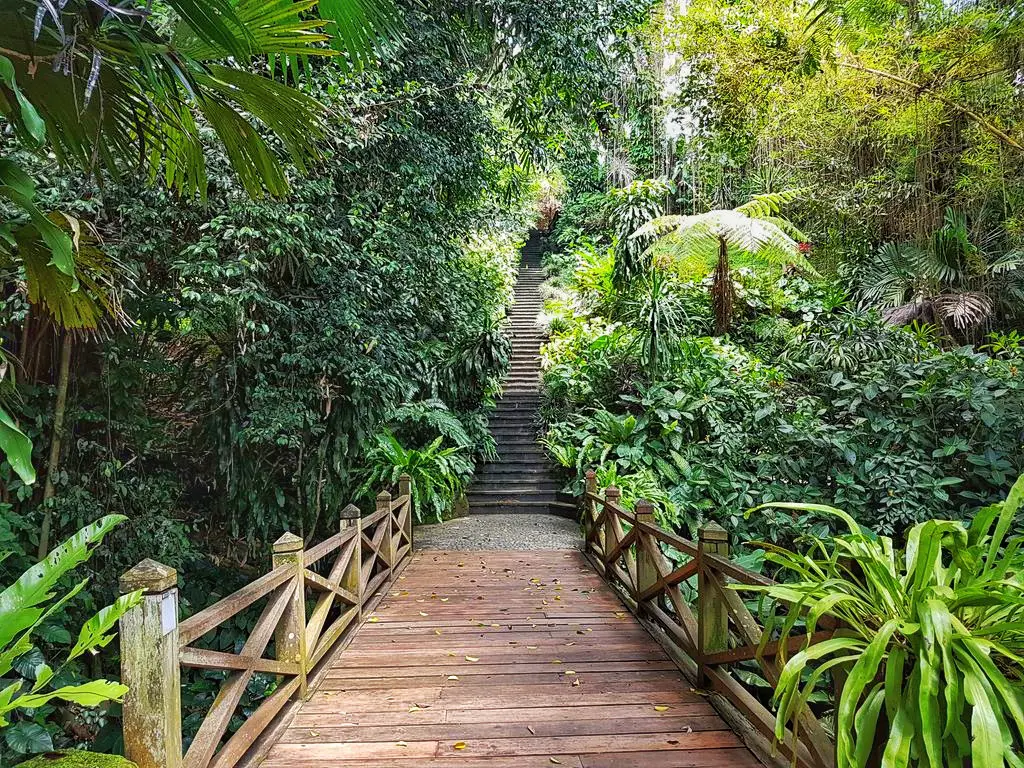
710, 241
951, 280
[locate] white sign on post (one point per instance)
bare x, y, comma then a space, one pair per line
169, 612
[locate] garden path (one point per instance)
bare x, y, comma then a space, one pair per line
503, 659
520, 481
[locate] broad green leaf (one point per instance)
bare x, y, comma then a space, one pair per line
28, 738
17, 448
95, 633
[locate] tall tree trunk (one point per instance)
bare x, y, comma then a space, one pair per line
53, 466
721, 290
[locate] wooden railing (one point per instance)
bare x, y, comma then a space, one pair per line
311, 597
630, 551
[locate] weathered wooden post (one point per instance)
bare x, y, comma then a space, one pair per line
352, 579
646, 565
290, 634
712, 612
589, 507
613, 496
149, 667
387, 545
405, 489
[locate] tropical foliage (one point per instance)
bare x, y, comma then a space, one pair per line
932, 642
27, 608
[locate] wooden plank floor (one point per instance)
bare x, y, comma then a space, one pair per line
498, 659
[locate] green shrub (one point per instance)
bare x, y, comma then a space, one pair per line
932, 643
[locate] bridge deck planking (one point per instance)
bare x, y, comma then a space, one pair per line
550, 670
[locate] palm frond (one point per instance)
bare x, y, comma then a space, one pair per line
769, 203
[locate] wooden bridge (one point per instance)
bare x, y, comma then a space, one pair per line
390, 657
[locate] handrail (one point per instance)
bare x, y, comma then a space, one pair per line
707, 639
306, 612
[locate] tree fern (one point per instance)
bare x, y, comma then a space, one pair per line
709, 240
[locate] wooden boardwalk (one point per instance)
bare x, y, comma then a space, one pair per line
505, 659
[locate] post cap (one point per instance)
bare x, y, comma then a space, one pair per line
612, 492
404, 478
350, 512
383, 496
712, 531
288, 542
148, 576
644, 507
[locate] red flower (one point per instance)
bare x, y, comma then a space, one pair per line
804, 247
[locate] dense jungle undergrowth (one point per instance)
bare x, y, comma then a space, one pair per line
257, 255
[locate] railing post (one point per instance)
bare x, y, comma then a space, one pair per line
290, 634
405, 489
352, 579
613, 496
712, 612
646, 566
150, 669
388, 544
589, 507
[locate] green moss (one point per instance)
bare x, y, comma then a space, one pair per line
77, 759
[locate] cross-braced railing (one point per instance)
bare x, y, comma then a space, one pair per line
309, 597
630, 552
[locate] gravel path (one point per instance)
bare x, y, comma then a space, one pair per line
516, 531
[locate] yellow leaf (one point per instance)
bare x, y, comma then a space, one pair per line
661, 708
437, 631
556, 661
401, 744
569, 672
453, 677
472, 658
556, 762
424, 614
459, 745
373, 619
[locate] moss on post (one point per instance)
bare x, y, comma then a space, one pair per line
712, 612
290, 634
387, 546
150, 669
646, 566
352, 579
405, 489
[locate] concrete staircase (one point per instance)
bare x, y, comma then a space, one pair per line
520, 481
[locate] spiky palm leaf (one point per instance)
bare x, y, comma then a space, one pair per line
115, 93
952, 276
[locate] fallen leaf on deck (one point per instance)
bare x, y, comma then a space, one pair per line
459, 745
472, 658
661, 708
424, 614
401, 744
373, 619
453, 677
556, 762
